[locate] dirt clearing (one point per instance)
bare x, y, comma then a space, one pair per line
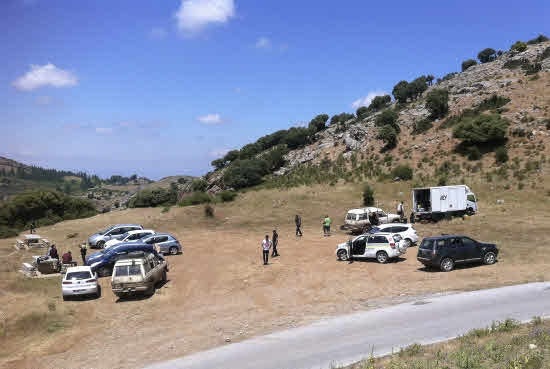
218, 291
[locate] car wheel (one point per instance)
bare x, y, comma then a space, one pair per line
98, 293
447, 265
101, 244
489, 258
164, 277
65, 298
342, 255
470, 211
382, 257
104, 271
173, 250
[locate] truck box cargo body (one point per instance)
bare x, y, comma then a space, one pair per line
436, 202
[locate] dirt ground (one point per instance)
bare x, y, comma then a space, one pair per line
218, 291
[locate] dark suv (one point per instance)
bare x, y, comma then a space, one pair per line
447, 250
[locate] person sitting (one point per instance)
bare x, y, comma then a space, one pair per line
67, 258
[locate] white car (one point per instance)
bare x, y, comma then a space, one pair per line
406, 231
380, 246
131, 236
78, 281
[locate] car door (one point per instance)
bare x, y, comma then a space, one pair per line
358, 246
471, 250
382, 217
374, 244
456, 249
163, 243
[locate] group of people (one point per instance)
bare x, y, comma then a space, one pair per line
67, 257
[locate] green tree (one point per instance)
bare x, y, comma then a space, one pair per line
437, 103
429, 79
318, 123
403, 172
297, 137
388, 134
468, 63
417, 87
362, 112
518, 46
537, 40
401, 91
388, 118
245, 173
198, 184
483, 128
379, 103
341, 118
501, 155
487, 55
368, 195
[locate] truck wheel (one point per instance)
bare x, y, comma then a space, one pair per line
342, 255
489, 258
470, 211
382, 257
447, 265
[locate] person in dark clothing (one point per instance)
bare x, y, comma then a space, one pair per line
83, 251
298, 222
411, 218
53, 253
275, 241
375, 219
33, 227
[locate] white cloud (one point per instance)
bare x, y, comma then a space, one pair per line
45, 75
210, 119
365, 101
157, 33
194, 15
263, 43
103, 130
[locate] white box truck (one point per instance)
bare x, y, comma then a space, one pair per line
434, 203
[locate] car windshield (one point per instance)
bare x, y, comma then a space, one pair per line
78, 275
127, 270
427, 244
106, 230
374, 230
123, 236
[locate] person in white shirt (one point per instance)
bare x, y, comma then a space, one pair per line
266, 246
401, 210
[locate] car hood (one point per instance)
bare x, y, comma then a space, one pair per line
94, 237
95, 256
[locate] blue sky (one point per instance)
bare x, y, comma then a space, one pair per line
164, 87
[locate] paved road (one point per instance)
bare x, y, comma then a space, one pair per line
347, 339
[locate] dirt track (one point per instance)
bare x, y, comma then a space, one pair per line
219, 290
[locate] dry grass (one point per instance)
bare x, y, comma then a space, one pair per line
503, 345
218, 288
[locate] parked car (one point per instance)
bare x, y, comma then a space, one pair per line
138, 273
445, 251
406, 231
103, 261
98, 240
131, 236
166, 243
379, 246
78, 281
357, 220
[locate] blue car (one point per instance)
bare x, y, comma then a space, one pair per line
103, 261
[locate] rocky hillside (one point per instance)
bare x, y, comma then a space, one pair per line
517, 80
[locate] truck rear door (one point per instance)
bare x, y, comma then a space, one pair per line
436, 198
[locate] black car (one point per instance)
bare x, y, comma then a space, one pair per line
447, 250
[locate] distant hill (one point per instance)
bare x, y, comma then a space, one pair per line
492, 118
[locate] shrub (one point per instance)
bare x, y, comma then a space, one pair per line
227, 196
492, 103
368, 195
483, 128
515, 63
195, 198
199, 184
487, 55
387, 117
537, 40
209, 211
474, 153
501, 155
341, 118
362, 112
297, 137
379, 102
437, 103
388, 134
318, 123
518, 46
404, 172
401, 91
468, 63
153, 197
545, 54
531, 68
245, 173
422, 126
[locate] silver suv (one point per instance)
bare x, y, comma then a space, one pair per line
97, 240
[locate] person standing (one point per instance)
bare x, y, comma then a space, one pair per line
275, 240
411, 218
266, 245
83, 251
33, 227
401, 211
326, 226
298, 222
